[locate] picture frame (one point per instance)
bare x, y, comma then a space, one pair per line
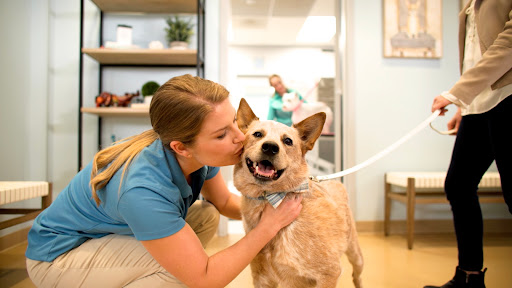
412, 29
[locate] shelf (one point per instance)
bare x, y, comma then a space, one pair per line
147, 6
170, 59
142, 56
116, 111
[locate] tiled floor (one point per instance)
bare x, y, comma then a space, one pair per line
388, 262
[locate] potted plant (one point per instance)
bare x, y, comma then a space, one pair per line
179, 32
148, 89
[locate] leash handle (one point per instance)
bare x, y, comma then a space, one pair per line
448, 132
381, 154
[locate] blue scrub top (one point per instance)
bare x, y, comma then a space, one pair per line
275, 110
151, 204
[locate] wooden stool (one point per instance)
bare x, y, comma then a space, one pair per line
428, 188
15, 191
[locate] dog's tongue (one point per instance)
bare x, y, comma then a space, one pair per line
262, 169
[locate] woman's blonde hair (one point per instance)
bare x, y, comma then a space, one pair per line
272, 77
177, 112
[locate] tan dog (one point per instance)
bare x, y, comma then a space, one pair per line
306, 253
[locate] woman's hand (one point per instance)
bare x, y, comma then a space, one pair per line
283, 215
454, 123
440, 103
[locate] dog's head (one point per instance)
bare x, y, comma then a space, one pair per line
291, 101
273, 158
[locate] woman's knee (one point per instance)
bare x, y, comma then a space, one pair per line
212, 215
203, 218
37, 270
461, 187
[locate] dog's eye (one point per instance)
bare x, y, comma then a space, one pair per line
257, 134
288, 141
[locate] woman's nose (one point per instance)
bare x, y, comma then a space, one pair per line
240, 137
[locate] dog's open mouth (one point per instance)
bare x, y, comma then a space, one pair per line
263, 170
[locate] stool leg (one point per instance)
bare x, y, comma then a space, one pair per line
411, 201
387, 208
47, 200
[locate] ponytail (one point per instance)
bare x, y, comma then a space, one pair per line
119, 154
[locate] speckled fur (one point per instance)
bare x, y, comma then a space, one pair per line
308, 252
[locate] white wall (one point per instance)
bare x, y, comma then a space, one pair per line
23, 106
389, 98
24, 89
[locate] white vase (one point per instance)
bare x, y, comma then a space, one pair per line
178, 45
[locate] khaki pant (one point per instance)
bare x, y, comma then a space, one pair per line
118, 261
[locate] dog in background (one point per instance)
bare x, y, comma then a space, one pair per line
301, 110
306, 253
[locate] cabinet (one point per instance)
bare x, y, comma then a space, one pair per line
129, 58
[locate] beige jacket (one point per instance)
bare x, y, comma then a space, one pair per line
494, 25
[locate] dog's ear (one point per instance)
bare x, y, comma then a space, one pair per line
244, 116
310, 129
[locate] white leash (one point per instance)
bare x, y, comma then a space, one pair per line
384, 152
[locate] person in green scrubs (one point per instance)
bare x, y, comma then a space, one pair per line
275, 111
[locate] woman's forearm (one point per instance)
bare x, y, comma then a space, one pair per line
231, 208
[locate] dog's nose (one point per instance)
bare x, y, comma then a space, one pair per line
270, 148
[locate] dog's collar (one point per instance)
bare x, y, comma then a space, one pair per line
275, 198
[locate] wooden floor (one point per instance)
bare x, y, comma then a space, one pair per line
388, 262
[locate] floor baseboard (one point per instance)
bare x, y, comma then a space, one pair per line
13, 238
491, 226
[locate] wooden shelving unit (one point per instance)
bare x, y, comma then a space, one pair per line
147, 6
137, 57
116, 111
142, 56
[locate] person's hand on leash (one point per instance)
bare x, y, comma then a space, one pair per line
440, 103
454, 123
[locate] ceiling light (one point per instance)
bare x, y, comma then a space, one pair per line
317, 29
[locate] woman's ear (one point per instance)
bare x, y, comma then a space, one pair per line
179, 148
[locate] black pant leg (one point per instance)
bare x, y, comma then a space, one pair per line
500, 125
471, 157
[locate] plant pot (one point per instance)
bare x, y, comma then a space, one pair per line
147, 99
178, 45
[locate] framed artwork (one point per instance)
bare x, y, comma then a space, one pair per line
412, 29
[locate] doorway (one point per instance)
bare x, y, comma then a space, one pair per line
299, 41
